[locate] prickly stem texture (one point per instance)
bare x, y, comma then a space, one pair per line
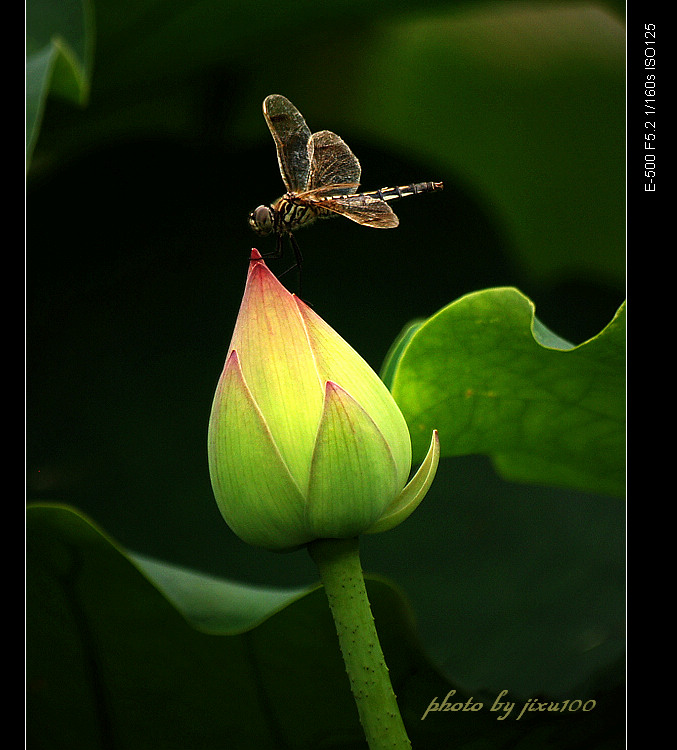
338, 562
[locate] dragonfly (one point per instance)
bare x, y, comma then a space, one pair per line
322, 177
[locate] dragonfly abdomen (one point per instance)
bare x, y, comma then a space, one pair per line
389, 194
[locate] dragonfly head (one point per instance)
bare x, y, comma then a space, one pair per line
261, 220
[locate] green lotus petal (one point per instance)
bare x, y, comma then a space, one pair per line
353, 475
279, 368
264, 508
412, 495
336, 360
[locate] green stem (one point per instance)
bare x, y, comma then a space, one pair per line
338, 562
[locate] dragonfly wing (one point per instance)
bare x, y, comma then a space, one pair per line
334, 168
291, 136
363, 209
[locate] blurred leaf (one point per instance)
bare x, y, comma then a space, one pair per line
493, 380
156, 60
111, 663
489, 95
212, 604
514, 586
144, 41
59, 39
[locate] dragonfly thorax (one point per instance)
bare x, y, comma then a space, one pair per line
290, 212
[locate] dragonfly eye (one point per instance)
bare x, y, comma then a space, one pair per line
261, 220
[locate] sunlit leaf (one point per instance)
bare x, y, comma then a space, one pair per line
493, 380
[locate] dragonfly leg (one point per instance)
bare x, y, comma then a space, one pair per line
298, 257
297, 252
278, 247
277, 253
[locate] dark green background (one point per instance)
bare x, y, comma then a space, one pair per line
137, 248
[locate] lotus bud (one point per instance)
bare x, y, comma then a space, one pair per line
305, 440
